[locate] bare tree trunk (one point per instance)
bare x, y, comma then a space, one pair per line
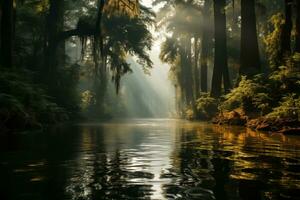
101, 88
297, 48
196, 69
7, 32
250, 59
205, 48
189, 72
220, 62
0, 30
100, 68
54, 51
286, 31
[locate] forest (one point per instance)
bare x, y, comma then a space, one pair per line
232, 62
149, 99
241, 67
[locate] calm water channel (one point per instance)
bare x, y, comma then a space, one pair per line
149, 159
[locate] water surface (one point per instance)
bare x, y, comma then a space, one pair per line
149, 159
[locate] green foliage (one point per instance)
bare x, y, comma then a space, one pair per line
121, 35
273, 40
23, 104
287, 78
288, 108
87, 99
169, 50
206, 106
249, 95
65, 94
262, 101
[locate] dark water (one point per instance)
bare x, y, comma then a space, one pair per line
149, 159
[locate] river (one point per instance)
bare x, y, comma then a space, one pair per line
149, 159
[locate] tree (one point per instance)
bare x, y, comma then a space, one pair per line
7, 8
183, 47
220, 71
250, 59
196, 67
297, 48
121, 35
285, 49
169, 53
54, 48
205, 46
188, 69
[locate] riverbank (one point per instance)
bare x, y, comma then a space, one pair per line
259, 123
264, 103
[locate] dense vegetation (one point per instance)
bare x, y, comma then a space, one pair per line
57, 57
234, 61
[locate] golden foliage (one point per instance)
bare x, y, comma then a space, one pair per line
121, 7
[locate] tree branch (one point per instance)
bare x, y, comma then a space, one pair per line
76, 32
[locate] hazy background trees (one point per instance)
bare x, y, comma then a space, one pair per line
238, 38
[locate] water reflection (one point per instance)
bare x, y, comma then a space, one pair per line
149, 159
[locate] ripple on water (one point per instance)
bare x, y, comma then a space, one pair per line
152, 159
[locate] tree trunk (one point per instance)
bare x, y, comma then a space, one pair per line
55, 48
0, 31
226, 79
7, 32
297, 48
196, 69
189, 74
184, 73
250, 59
100, 64
286, 31
205, 48
181, 75
101, 81
220, 61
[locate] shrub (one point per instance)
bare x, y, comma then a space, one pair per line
249, 95
286, 79
189, 114
206, 107
288, 108
24, 105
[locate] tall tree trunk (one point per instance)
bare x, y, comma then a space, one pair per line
205, 48
101, 80
220, 62
226, 79
181, 75
286, 31
101, 73
7, 32
189, 74
297, 48
0, 31
250, 59
186, 69
196, 69
98, 40
184, 73
54, 48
